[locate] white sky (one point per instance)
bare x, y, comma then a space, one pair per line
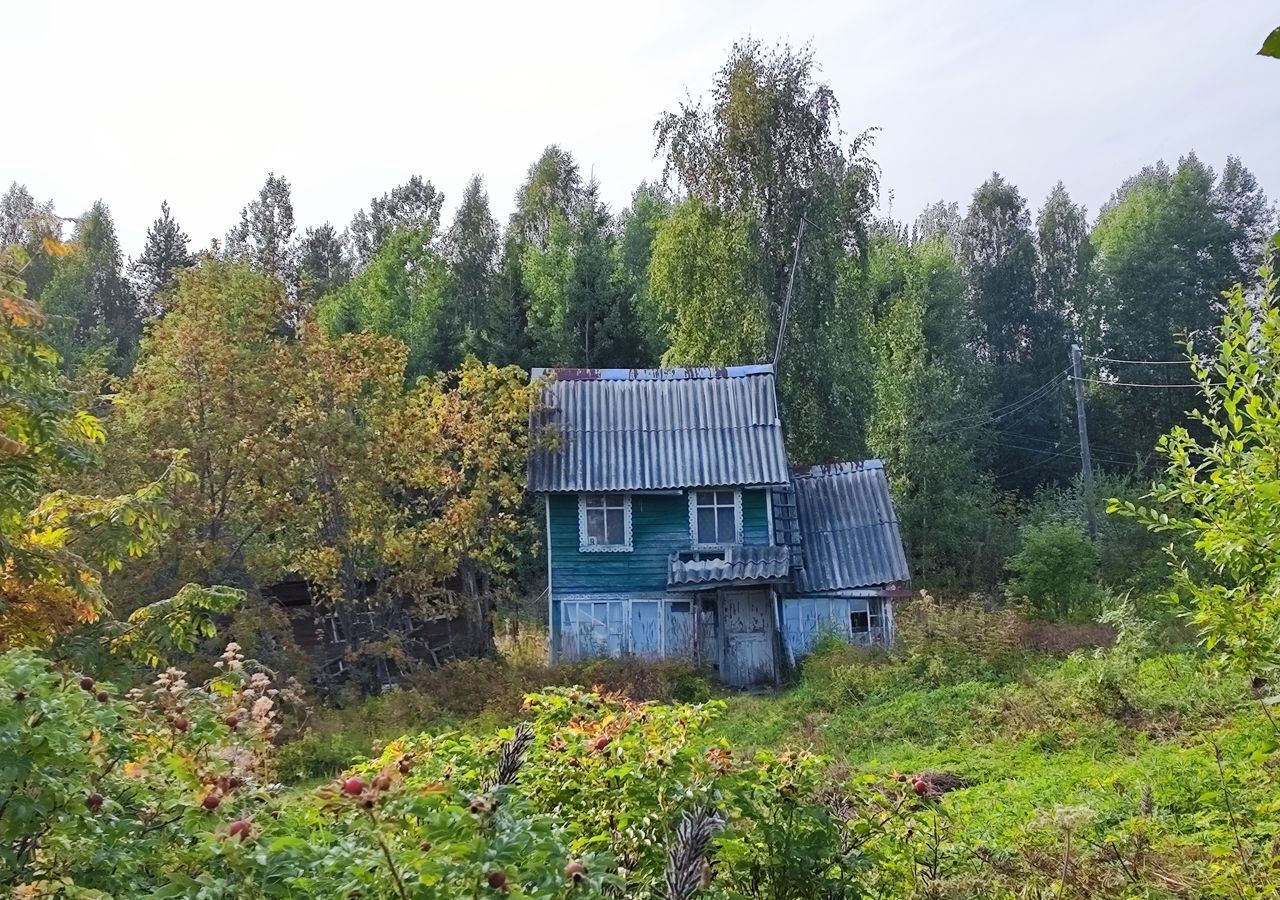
194, 102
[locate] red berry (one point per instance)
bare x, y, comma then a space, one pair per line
497, 879
353, 785
404, 767
87, 683
93, 801
920, 786
239, 828
601, 742
211, 802
382, 782
181, 724
232, 721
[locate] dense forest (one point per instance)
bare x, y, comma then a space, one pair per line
281, 382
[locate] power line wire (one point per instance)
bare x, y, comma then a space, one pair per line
994, 415
1138, 362
1139, 384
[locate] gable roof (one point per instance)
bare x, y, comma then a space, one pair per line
849, 530
656, 429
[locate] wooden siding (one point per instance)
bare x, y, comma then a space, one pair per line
660, 527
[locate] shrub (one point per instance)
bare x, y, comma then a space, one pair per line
1056, 571
125, 795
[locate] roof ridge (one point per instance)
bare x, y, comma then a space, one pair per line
678, 373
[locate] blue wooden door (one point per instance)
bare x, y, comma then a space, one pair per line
748, 633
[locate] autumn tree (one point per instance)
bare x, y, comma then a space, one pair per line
204, 387
56, 546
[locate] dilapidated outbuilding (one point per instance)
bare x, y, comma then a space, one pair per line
675, 527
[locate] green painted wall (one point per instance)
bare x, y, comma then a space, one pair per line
659, 527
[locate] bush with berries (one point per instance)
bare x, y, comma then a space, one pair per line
169, 791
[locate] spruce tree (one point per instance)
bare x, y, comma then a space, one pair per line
414, 205
154, 272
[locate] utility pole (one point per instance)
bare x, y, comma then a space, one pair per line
1086, 461
786, 304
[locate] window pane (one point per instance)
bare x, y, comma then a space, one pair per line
706, 498
616, 527
595, 526
724, 498
725, 525
614, 501
706, 525
858, 620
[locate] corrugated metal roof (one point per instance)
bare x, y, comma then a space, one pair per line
657, 429
740, 565
850, 529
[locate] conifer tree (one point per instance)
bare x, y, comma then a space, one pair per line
154, 272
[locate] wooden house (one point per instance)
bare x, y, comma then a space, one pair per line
675, 527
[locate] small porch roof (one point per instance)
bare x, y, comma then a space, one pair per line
737, 565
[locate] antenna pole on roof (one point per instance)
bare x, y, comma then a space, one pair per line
786, 304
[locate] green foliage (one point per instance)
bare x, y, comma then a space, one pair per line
1056, 571
913, 326
1222, 492
1169, 242
1271, 46
400, 293
104, 795
55, 545
700, 282
92, 307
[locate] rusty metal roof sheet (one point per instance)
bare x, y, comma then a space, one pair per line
849, 528
656, 429
739, 565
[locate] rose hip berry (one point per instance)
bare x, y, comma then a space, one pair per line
93, 801
87, 683
239, 828
353, 785
382, 782
497, 879
181, 724
231, 722
211, 802
601, 742
920, 786
575, 872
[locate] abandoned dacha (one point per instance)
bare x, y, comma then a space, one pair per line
675, 527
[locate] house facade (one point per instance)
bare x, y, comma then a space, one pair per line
674, 527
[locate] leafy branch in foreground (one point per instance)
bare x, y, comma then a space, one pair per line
1222, 493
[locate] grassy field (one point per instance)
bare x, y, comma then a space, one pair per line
1135, 771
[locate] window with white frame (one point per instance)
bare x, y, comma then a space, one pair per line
604, 522
715, 517
875, 613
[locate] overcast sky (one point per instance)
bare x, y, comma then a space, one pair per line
195, 102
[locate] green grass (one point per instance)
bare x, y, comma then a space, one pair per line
1104, 748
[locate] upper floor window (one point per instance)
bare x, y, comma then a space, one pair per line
716, 517
604, 522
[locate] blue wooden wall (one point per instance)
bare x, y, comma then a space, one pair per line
660, 527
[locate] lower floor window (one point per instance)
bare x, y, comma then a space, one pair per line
864, 621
